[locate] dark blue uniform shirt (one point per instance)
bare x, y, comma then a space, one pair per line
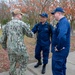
61, 36
44, 32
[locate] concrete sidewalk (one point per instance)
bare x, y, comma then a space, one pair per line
70, 66
37, 71
27, 73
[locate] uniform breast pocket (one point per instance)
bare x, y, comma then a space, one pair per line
39, 29
46, 29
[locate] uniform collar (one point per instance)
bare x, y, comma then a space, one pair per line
62, 18
44, 23
15, 18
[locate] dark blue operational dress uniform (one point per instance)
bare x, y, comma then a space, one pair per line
60, 41
43, 40
44, 34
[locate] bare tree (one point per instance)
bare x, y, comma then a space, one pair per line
35, 7
4, 13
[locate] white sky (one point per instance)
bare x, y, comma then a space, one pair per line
8, 0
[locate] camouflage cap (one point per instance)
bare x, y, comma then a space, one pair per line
17, 11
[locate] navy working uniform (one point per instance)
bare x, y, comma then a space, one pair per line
12, 39
61, 41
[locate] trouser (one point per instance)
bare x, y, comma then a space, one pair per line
58, 65
21, 60
45, 52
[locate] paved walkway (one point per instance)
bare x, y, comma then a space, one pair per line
70, 66
32, 71
27, 73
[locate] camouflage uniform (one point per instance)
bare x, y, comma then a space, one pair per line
13, 40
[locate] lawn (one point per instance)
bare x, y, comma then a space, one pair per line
30, 44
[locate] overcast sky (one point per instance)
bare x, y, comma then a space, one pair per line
8, 0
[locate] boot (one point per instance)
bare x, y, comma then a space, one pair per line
43, 69
38, 64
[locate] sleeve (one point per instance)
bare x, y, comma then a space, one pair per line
62, 36
34, 29
27, 31
51, 31
3, 38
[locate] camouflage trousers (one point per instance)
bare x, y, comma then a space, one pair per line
21, 60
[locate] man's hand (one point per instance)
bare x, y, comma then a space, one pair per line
56, 49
